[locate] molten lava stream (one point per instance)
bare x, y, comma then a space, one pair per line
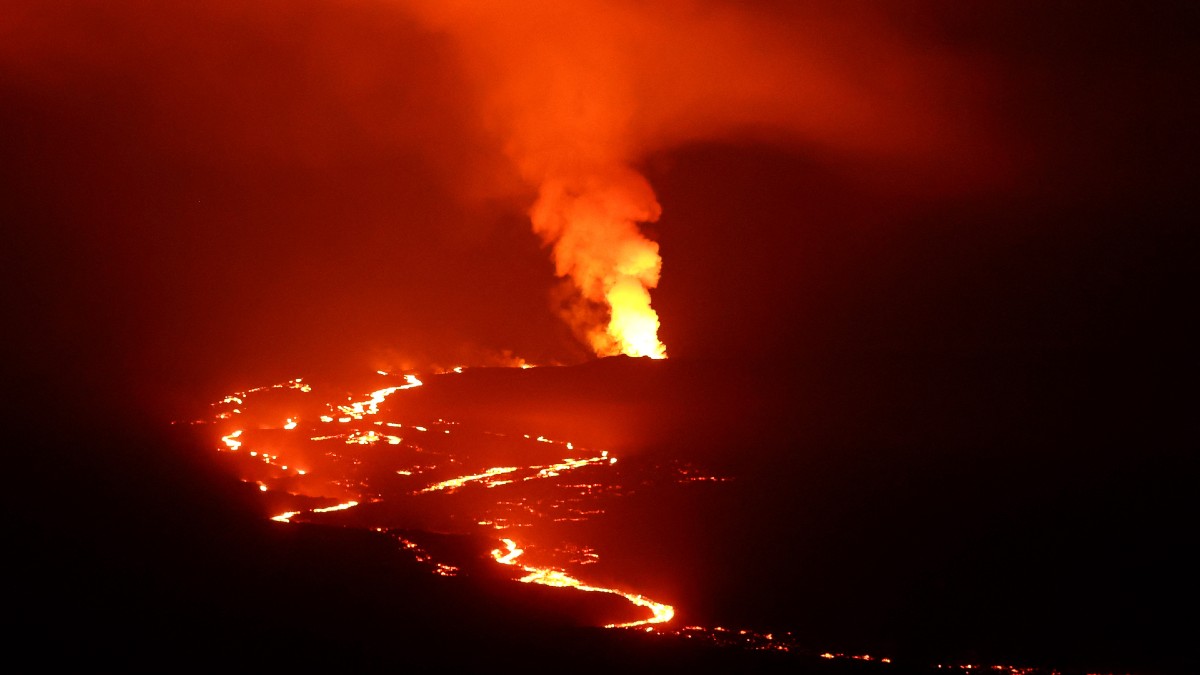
546, 576
278, 454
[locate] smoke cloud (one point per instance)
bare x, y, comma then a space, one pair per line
578, 93
274, 185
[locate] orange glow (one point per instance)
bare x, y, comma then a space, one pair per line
579, 93
368, 437
358, 410
463, 480
547, 576
547, 471
231, 440
568, 464
511, 507
331, 469
590, 220
339, 507
512, 554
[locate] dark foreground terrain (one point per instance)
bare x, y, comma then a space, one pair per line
983, 514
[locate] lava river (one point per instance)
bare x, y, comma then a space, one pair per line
321, 454
315, 455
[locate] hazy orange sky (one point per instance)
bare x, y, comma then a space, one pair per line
232, 191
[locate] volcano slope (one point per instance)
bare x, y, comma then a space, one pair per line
980, 511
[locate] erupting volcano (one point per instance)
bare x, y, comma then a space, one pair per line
338, 335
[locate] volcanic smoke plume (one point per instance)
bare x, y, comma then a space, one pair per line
590, 219
578, 93
562, 104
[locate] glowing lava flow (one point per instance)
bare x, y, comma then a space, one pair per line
463, 480
358, 410
361, 464
287, 516
547, 576
542, 472
365, 464
231, 441
339, 507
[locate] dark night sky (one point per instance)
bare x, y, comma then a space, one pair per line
208, 197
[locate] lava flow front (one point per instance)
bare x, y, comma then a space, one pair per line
552, 577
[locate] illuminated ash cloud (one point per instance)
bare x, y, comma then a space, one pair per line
590, 221
579, 93
561, 103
